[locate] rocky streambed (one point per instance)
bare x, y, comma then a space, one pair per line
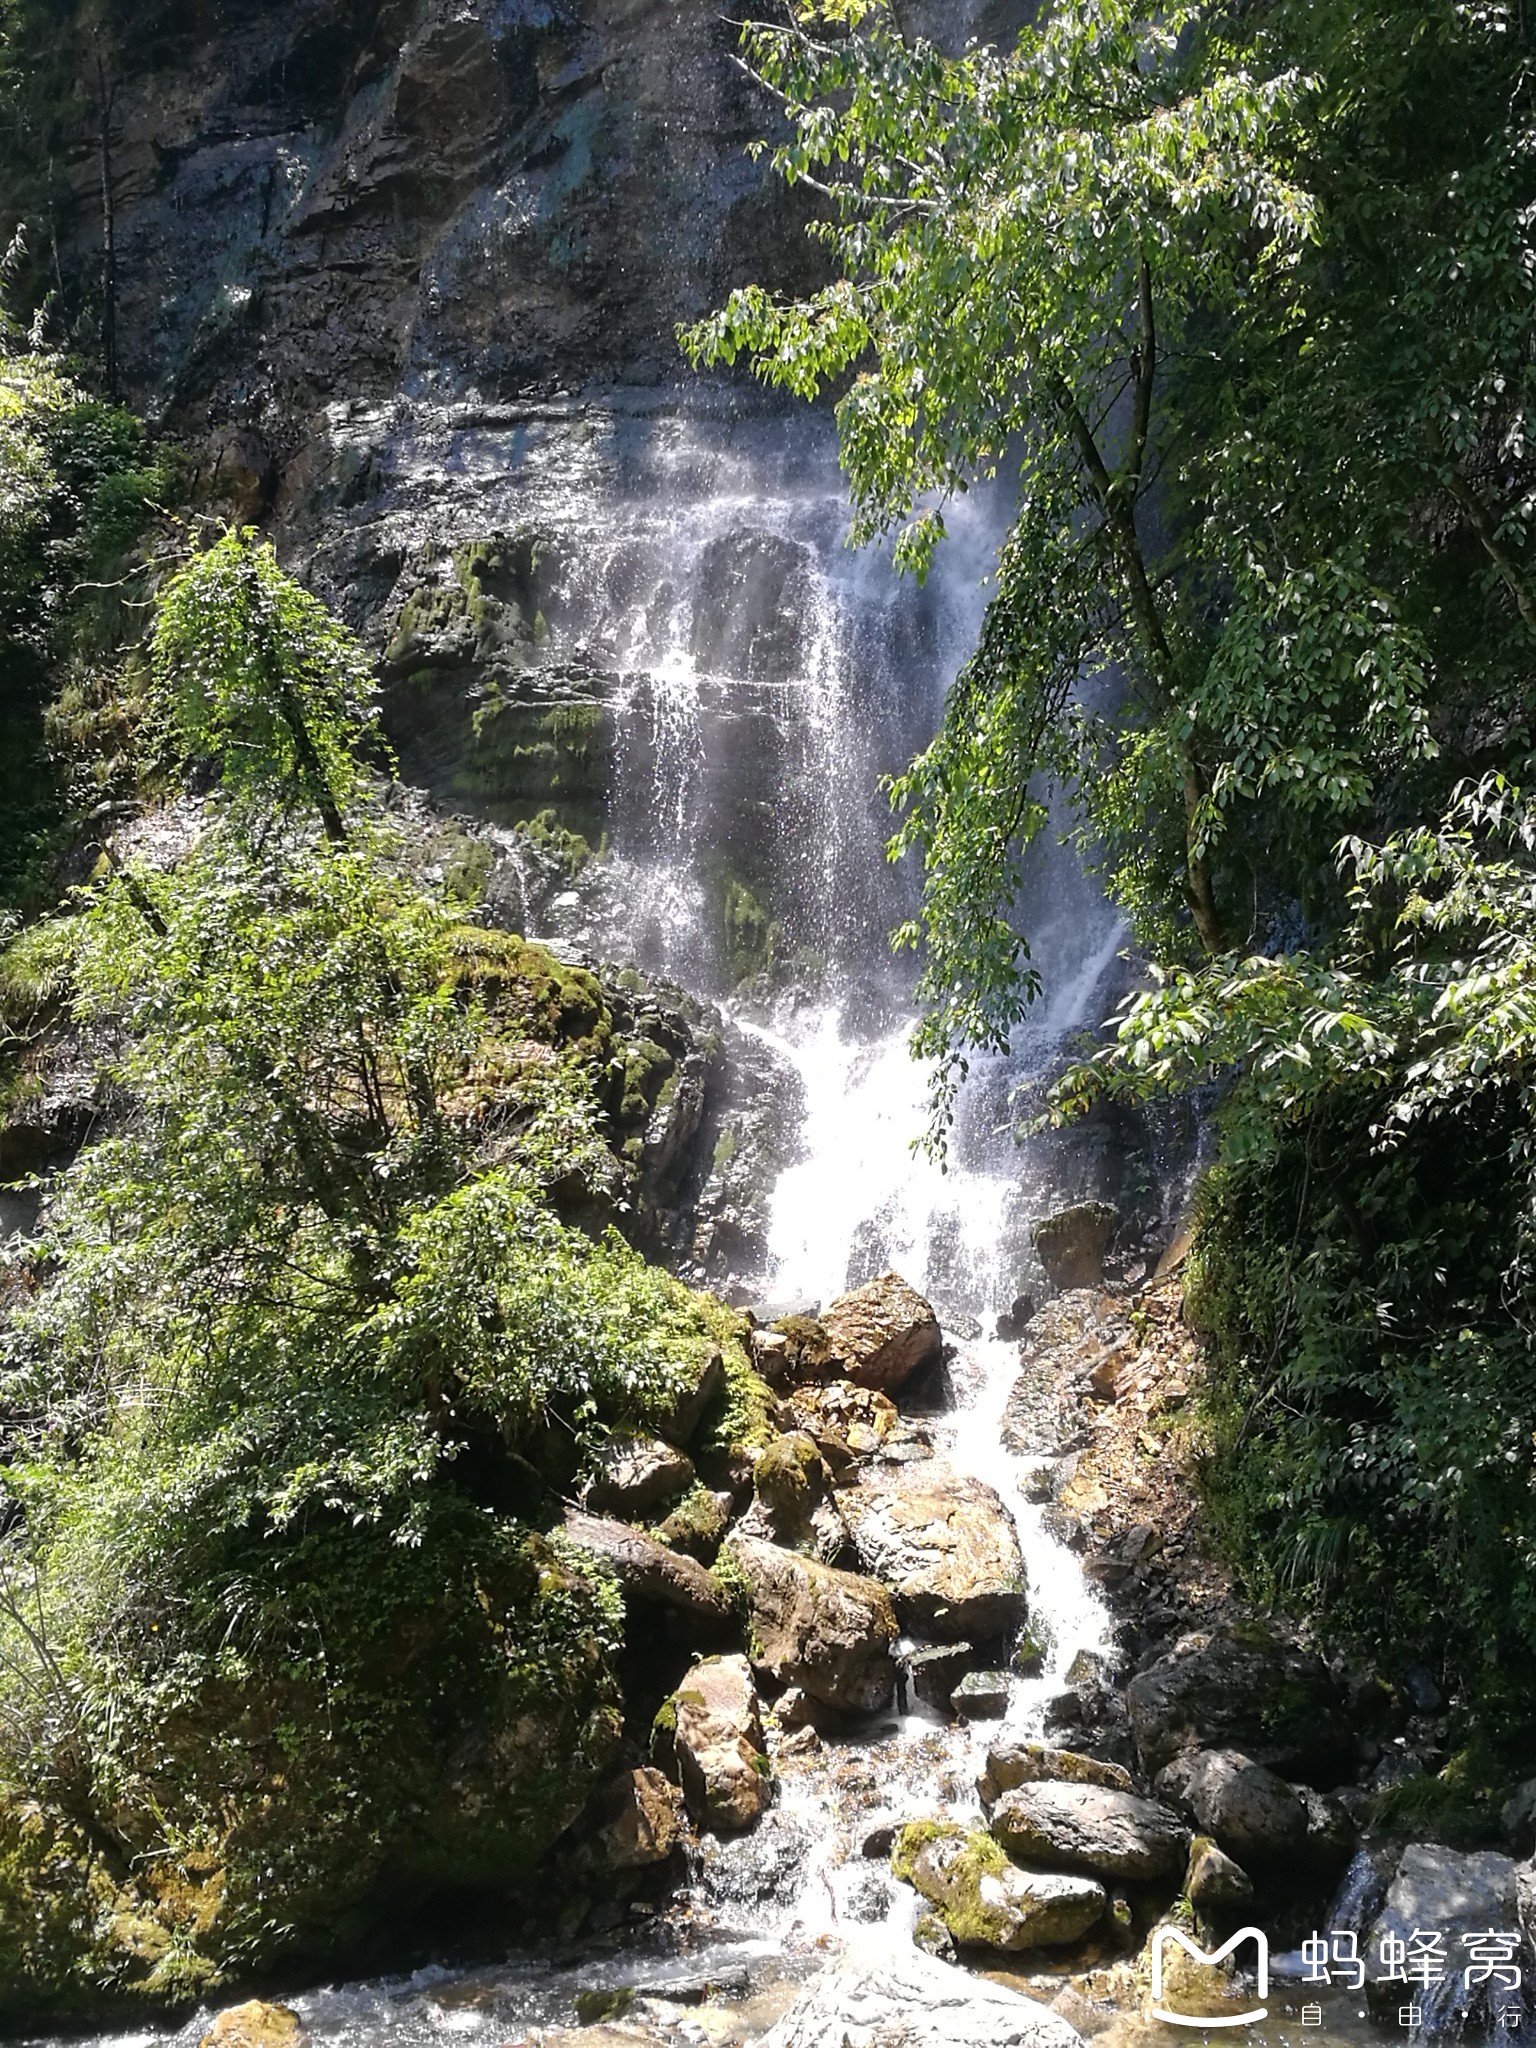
895, 1798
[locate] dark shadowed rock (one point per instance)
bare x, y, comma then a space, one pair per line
1252, 1814
1272, 1700
642, 1824
636, 1474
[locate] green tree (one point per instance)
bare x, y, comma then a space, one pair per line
1128, 261
310, 1358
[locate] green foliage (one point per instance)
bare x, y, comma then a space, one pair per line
262, 679
1241, 298
308, 1354
77, 489
1365, 1256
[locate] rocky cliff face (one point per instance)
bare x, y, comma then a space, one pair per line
361, 196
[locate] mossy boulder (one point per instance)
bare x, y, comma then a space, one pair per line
256, 2024
985, 1900
829, 1632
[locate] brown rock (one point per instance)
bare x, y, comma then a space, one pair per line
646, 1826
1011, 1764
944, 1544
716, 1738
1072, 1244
649, 1572
859, 1418
828, 1632
256, 2025
882, 1333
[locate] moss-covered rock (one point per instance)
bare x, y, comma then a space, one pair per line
985, 1900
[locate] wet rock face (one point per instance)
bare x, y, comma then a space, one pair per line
748, 614
1214, 1884
944, 1544
1072, 1244
1273, 1700
984, 1900
714, 1733
828, 1632
330, 197
881, 1995
1088, 1827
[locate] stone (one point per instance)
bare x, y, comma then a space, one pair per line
649, 1572
1013, 1763
882, 1333
829, 1632
644, 1825
256, 2024
695, 1386
1091, 1828
1273, 1700
981, 1696
984, 1900
789, 1479
1072, 1242
1214, 1885
714, 1730
880, 1995
1251, 1813
944, 1544
858, 1418
1332, 1831
934, 1939
697, 1524
933, 1671
636, 1474
1452, 1893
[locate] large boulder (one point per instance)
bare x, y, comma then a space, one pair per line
1089, 1827
944, 1544
1452, 1895
651, 1573
1253, 1814
711, 1731
637, 1473
985, 1900
1273, 1700
882, 1333
829, 1632
1071, 1244
1014, 1762
881, 1995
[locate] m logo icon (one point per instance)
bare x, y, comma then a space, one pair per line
1175, 1935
